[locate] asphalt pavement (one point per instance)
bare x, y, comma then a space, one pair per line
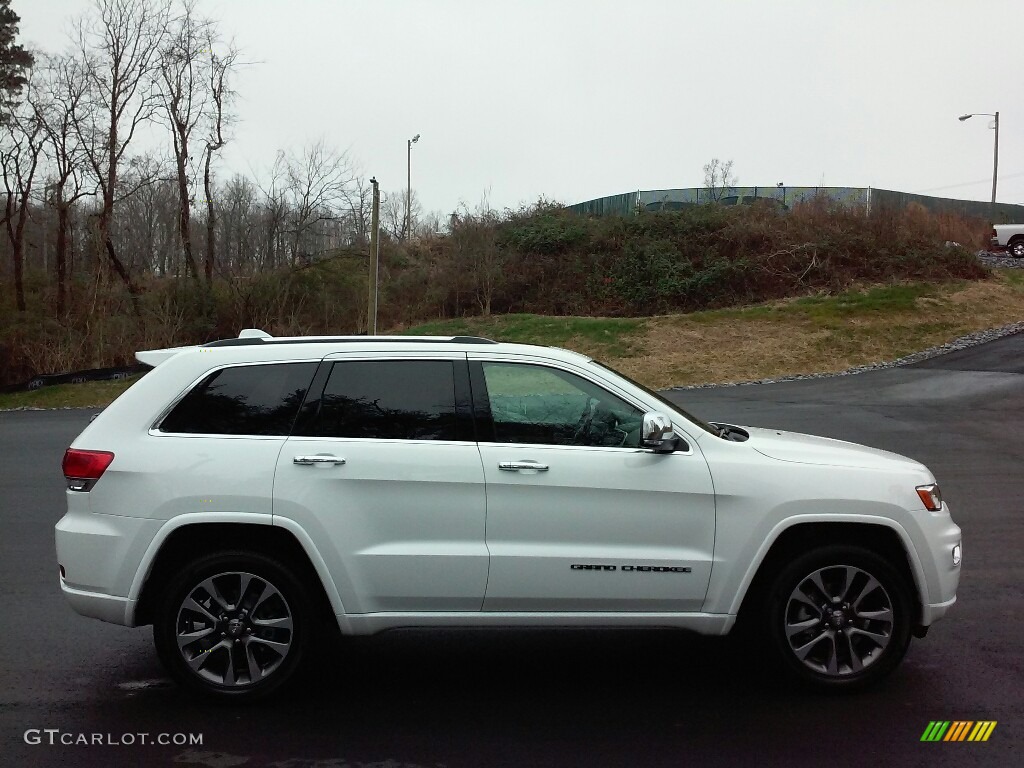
567, 698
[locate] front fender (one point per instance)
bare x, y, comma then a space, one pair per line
726, 594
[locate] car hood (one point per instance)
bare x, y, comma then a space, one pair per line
808, 449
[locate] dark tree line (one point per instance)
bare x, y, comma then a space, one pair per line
86, 201
123, 229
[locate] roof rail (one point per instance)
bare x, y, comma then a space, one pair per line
472, 340
252, 339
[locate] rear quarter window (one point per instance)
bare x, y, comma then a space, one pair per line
243, 400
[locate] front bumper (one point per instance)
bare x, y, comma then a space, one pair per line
942, 573
935, 611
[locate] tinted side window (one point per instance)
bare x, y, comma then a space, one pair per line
547, 406
388, 399
243, 400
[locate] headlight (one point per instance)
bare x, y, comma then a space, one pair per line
931, 496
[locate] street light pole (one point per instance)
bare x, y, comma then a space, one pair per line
995, 168
408, 185
995, 157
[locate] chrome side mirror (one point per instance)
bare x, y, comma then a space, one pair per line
657, 434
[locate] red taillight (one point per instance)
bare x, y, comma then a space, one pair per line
83, 468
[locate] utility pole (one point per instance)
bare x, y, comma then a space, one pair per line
408, 185
373, 262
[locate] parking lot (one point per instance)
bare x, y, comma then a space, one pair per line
570, 698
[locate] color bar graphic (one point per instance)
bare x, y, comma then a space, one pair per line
935, 731
958, 730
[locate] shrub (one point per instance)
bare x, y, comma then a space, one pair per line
539, 260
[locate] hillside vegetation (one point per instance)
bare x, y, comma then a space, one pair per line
541, 261
812, 334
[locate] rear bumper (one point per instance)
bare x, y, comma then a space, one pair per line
95, 605
99, 556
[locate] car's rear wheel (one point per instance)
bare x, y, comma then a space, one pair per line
839, 617
1016, 247
233, 625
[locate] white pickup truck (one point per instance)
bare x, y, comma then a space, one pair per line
1010, 237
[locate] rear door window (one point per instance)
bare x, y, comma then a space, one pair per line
387, 399
243, 400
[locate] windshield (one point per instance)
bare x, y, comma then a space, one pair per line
672, 407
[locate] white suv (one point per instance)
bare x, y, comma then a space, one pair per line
247, 489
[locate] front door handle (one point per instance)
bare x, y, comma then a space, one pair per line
515, 466
309, 461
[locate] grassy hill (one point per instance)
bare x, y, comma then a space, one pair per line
524, 266
808, 334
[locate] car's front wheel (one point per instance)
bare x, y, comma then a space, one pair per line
233, 625
839, 617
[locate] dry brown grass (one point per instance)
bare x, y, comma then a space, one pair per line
787, 338
793, 336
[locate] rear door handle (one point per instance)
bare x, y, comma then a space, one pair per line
310, 461
515, 466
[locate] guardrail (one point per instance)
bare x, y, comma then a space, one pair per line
76, 377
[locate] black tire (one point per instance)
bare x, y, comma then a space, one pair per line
839, 644
260, 644
1016, 247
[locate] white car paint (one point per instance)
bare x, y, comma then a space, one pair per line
432, 535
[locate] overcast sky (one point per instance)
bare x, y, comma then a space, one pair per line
576, 99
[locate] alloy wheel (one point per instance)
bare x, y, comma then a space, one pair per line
839, 620
234, 629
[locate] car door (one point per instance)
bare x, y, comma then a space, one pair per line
579, 518
382, 472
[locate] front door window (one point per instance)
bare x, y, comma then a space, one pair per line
532, 404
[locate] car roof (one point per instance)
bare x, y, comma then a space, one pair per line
262, 341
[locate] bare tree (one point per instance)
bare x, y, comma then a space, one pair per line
358, 202
393, 210
317, 186
430, 224
220, 67
145, 222
719, 179
275, 212
239, 225
183, 84
63, 78
474, 235
21, 150
119, 43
